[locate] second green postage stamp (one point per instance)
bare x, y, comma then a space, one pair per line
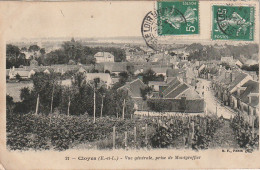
178, 17
233, 23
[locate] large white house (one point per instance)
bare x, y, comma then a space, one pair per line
102, 57
104, 77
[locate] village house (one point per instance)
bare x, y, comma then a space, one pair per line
227, 82
246, 99
133, 89
183, 56
104, 78
160, 70
227, 59
24, 74
104, 57
115, 68
180, 97
178, 89
238, 63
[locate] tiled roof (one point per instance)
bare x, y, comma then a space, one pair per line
82, 70
251, 87
158, 83
174, 72
225, 78
115, 67
171, 85
237, 80
177, 91
160, 69
134, 87
101, 76
103, 54
190, 94
22, 73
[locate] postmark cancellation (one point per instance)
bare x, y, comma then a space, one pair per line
233, 22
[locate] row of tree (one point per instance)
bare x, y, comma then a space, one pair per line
48, 96
16, 56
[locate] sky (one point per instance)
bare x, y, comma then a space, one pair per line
89, 19
81, 19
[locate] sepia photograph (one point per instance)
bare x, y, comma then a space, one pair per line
172, 82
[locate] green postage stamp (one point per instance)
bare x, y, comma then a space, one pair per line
233, 23
178, 17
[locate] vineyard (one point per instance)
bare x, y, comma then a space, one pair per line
247, 136
61, 132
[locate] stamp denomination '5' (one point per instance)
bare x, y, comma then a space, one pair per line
178, 18
233, 23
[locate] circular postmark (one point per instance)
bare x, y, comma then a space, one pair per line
149, 30
150, 24
234, 22
168, 20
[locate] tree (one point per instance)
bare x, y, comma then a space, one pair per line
24, 49
28, 100
114, 101
12, 51
73, 49
107, 71
226, 65
34, 48
43, 86
18, 77
42, 51
56, 57
146, 92
123, 77
9, 104
149, 75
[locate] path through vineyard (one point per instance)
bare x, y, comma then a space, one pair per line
224, 137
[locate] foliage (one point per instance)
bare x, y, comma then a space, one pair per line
246, 137
226, 65
146, 92
61, 132
9, 104
251, 68
14, 57
18, 77
169, 130
33, 48
71, 51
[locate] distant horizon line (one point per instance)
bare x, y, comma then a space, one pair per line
131, 38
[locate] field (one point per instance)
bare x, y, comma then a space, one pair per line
62, 132
13, 89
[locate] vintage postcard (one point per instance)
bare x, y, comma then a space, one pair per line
129, 85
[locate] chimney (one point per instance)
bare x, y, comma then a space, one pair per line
249, 99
